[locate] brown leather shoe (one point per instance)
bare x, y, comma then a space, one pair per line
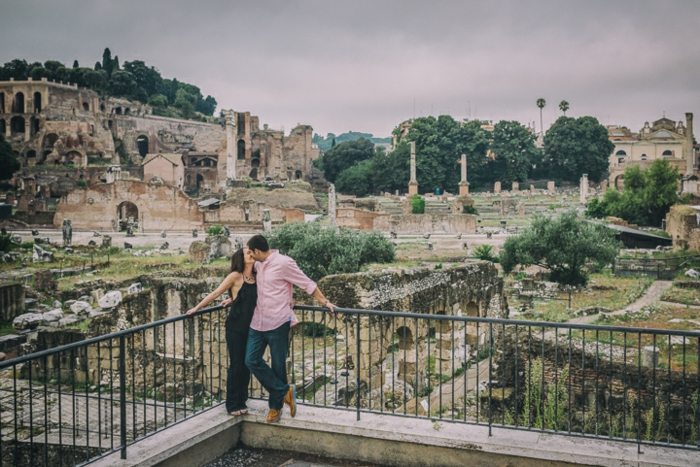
291, 400
273, 416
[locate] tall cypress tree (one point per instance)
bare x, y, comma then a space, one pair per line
107, 61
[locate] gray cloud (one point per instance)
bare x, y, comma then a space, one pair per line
366, 66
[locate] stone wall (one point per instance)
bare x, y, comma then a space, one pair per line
430, 223
682, 225
357, 218
472, 289
11, 301
160, 207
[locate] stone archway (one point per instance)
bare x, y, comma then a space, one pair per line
18, 103
619, 182
37, 102
142, 145
73, 158
127, 212
17, 126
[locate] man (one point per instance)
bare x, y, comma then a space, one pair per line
276, 273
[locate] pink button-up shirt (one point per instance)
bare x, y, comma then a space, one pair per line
275, 277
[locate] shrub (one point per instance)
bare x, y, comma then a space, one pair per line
215, 229
485, 252
321, 251
417, 204
469, 210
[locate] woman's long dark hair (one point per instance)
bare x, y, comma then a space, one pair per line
238, 261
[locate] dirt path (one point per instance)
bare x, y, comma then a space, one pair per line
651, 295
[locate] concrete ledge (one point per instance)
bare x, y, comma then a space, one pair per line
384, 439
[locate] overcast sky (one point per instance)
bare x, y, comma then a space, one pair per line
368, 65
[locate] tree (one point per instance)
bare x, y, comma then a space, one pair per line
439, 143
76, 64
121, 83
357, 179
321, 251
646, 198
345, 155
574, 146
541, 103
567, 246
564, 106
8, 162
514, 146
107, 64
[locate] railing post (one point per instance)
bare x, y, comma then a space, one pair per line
122, 394
357, 368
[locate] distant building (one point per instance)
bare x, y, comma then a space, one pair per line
664, 139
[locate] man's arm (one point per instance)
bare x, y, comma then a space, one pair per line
296, 276
320, 298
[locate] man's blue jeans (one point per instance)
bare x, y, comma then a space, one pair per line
274, 379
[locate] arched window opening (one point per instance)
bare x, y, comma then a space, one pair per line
86, 106
102, 107
18, 103
142, 145
643, 157
31, 154
34, 126
240, 149
3, 128
72, 158
127, 213
405, 338
2, 102
127, 111
37, 102
118, 110
667, 153
297, 174
16, 126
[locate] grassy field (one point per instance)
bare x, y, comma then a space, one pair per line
686, 296
603, 290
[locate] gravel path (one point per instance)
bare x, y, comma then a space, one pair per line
248, 457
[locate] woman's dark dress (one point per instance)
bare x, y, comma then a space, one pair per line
237, 325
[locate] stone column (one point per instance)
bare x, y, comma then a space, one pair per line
413, 183
515, 187
332, 205
551, 187
583, 189
463, 184
231, 147
497, 187
690, 152
266, 221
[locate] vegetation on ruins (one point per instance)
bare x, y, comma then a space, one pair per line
514, 146
132, 80
331, 139
647, 197
485, 253
577, 146
320, 251
344, 156
8, 162
569, 247
417, 204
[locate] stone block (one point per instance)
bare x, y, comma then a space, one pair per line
110, 299
28, 321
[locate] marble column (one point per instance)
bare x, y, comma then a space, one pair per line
332, 205
413, 183
463, 184
231, 148
583, 189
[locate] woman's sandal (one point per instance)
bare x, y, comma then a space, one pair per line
238, 413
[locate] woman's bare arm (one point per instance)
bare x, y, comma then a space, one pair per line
228, 283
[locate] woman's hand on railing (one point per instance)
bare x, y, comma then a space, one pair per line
226, 302
192, 311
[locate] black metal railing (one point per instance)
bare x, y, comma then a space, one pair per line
78, 402
81, 401
621, 383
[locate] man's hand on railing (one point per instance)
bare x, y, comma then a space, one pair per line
330, 307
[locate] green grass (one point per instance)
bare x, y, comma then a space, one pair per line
682, 295
6, 328
603, 290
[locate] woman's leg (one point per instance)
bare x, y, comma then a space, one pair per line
238, 372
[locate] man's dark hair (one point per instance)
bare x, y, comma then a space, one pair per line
258, 242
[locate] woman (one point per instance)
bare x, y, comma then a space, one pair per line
240, 284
